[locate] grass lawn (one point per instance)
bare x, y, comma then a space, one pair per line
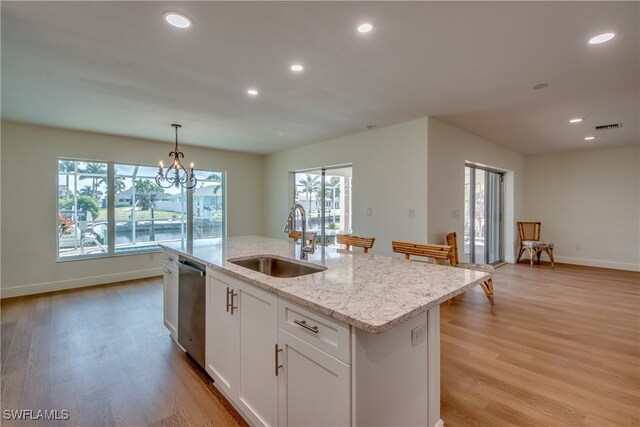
123, 214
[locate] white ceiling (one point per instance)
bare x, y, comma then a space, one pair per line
117, 68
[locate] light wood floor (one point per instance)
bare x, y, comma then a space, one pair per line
103, 354
561, 348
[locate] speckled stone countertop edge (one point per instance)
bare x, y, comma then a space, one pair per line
259, 280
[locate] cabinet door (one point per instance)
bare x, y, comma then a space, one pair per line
315, 388
221, 337
258, 384
171, 301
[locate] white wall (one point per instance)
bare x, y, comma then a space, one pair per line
29, 168
591, 200
449, 149
389, 176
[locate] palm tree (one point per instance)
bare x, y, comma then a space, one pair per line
86, 191
145, 190
92, 170
118, 184
67, 166
214, 176
309, 184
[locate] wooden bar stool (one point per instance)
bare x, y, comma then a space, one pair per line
361, 242
439, 253
486, 286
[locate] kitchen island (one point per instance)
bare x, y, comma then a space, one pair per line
355, 343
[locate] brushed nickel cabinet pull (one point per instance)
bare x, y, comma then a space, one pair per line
228, 293
166, 270
231, 306
170, 259
303, 323
278, 366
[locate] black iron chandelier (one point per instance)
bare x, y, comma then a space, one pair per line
176, 175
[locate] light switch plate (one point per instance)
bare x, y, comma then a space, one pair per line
369, 211
412, 213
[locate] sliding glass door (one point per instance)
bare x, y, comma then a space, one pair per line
325, 194
483, 215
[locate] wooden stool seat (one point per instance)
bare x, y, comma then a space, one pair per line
361, 242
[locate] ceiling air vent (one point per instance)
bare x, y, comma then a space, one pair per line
611, 126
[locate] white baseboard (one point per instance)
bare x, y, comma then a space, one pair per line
510, 259
39, 288
439, 423
598, 263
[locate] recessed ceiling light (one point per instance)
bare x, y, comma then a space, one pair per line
541, 86
297, 68
252, 92
589, 138
601, 38
576, 120
177, 20
365, 28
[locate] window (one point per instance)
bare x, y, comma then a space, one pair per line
141, 213
332, 215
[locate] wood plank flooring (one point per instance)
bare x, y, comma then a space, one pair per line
103, 354
561, 348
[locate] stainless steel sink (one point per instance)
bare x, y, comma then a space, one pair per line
276, 267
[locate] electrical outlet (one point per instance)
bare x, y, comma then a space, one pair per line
455, 214
369, 211
418, 335
412, 213
578, 247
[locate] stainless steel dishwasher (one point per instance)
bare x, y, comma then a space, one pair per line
191, 308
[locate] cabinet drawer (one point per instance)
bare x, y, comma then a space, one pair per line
170, 260
327, 334
171, 271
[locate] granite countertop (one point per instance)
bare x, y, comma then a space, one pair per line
371, 292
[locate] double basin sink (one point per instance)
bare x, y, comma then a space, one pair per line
277, 267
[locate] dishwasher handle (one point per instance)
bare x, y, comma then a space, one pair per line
185, 266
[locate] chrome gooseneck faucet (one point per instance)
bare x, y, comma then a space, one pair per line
289, 226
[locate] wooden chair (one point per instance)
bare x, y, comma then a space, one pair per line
310, 236
439, 253
486, 286
530, 242
361, 242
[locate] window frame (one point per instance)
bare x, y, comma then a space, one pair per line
111, 223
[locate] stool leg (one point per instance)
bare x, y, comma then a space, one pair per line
487, 287
550, 253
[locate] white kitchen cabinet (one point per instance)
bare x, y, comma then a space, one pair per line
315, 388
242, 333
170, 272
221, 352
